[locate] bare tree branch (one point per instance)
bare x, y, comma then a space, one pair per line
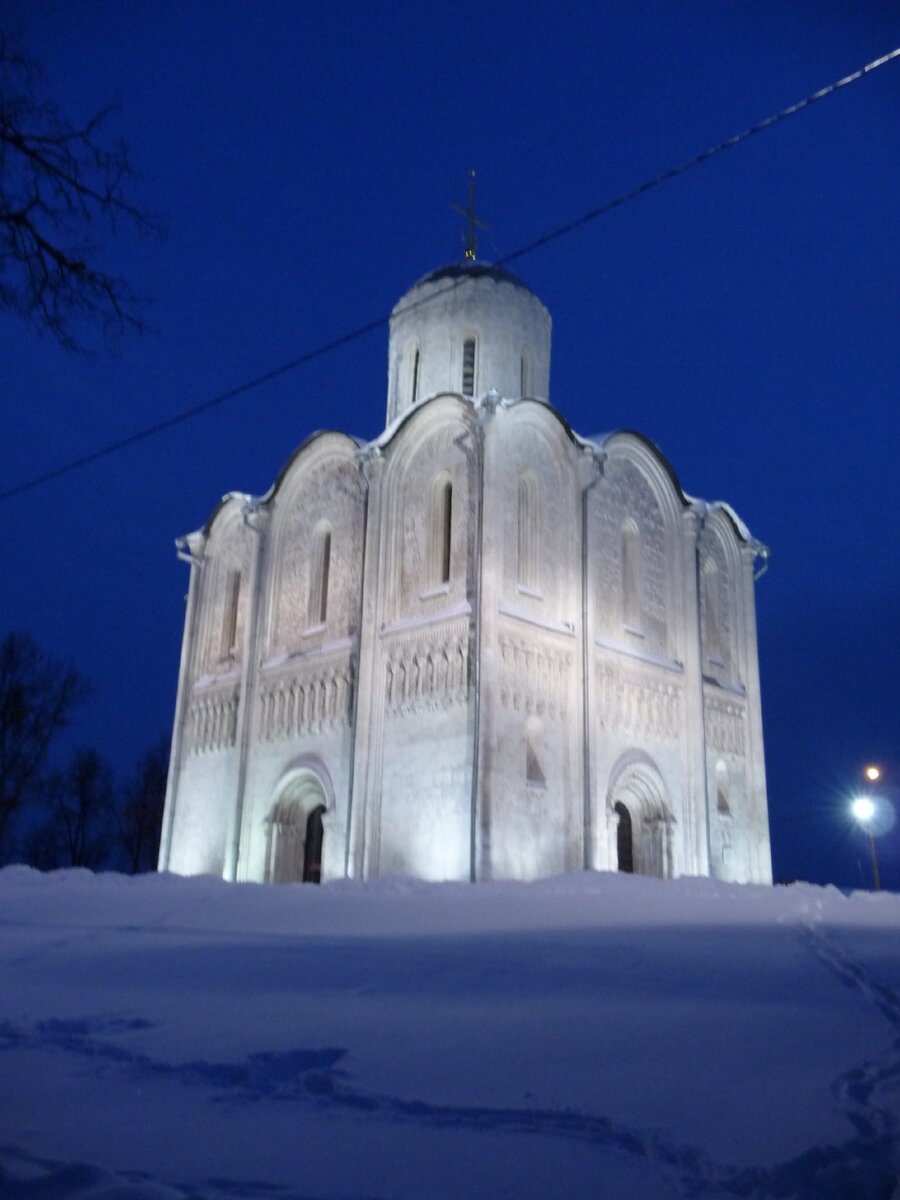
59, 182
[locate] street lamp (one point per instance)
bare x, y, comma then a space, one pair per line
863, 810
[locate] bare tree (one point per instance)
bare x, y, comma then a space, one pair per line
37, 696
140, 817
58, 182
78, 830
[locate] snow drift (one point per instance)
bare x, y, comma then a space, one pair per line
582, 1036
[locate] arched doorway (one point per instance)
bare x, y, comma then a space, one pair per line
624, 839
643, 821
295, 832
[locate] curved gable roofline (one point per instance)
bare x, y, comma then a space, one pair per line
686, 500
243, 497
545, 406
301, 449
739, 526
387, 435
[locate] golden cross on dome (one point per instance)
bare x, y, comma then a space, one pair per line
472, 221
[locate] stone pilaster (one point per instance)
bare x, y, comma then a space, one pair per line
696, 793
256, 518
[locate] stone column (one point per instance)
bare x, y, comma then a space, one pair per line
190, 550
368, 732
595, 834
758, 839
486, 661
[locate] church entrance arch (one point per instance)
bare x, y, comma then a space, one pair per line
643, 822
294, 831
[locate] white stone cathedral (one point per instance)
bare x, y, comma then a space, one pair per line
478, 647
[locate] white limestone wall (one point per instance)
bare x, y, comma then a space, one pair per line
431, 323
426, 794
206, 792
412, 783
531, 724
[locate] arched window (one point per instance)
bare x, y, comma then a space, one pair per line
441, 531
468, 367
624, 840
318, 584
414, 380
632, 613
230, 614
528, 531
525, 374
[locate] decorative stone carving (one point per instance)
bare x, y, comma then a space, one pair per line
332, 493
726, 724
716, 624
534, 680
310, 701
639, 704
225, 596
442, 455
427, 672
625, 494
212, 720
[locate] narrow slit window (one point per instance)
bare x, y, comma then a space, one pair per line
230, 614
446, 529
414, 388
631, 576
441, 531
526, 565
321, 570
468, 369
525, 375
326, 567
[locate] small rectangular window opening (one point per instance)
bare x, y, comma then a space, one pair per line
326, 567
415, 379
468, 371
446, 531
230, 614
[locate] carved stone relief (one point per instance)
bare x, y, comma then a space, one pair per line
623, 493
716, 614
639, 704
331, 493
535, 680
444, 451
538, 557
225, 597
307, 702
427, 672
726, 724
212, 720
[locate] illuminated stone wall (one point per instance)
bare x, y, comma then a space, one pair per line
477, 647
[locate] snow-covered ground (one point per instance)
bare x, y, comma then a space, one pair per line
586, 1036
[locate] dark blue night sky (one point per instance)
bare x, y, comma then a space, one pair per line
745, 316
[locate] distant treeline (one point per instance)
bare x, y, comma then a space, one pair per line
74, 813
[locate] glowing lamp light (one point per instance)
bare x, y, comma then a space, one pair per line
863, 809
872, 773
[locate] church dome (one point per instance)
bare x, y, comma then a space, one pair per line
467, 327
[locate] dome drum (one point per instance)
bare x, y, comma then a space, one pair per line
467, 328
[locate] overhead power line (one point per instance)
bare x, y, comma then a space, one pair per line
360, 331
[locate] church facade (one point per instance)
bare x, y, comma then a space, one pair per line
478, 647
